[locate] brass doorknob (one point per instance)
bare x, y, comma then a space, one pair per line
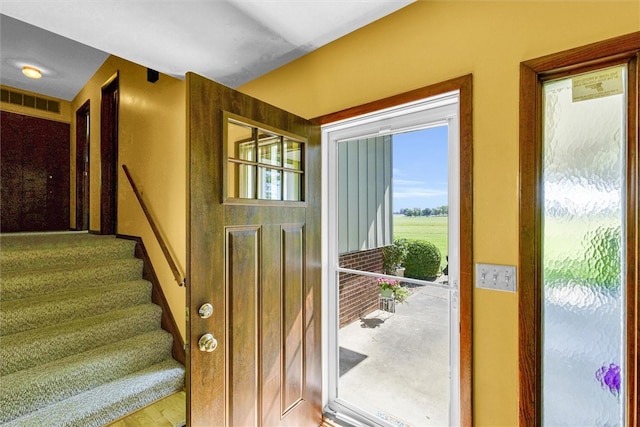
207, 343
205, 311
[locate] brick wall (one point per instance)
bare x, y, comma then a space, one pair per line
359, 294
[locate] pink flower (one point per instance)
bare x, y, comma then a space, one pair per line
388, 283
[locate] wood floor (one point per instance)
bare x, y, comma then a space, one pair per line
168, 412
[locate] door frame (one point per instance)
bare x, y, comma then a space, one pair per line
82, 166
532, 72
109, 103
463, 85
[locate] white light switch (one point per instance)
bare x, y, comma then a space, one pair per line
496, 277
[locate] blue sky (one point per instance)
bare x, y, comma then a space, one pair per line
420, 169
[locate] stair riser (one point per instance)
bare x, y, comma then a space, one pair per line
27, 391
34, 283
32, 348
18, 318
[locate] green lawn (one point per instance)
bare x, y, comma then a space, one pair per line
430, 228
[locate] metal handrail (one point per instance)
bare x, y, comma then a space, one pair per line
388, 276
165, 250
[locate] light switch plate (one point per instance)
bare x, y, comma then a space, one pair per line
496, 277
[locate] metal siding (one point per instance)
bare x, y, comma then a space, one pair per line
364, 180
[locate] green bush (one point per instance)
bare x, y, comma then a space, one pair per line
600, 265
393, 256
422, 260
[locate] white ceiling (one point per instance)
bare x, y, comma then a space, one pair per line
230, 41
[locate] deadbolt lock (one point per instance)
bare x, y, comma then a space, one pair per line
205, 311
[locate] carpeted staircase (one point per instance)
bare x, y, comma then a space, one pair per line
80, 340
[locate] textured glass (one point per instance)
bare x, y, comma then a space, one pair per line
583, 311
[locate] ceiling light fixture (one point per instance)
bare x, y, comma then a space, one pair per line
31, 72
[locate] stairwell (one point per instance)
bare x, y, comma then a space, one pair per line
80, 339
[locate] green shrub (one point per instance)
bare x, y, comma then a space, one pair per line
393, 256
422, 260
599, 265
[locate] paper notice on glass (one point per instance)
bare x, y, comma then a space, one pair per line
598, 84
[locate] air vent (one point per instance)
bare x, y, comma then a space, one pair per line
29, 101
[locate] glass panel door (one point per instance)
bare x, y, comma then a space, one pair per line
394, 355
583, 308
392, 297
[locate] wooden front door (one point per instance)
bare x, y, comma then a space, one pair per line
254, 255
35, 174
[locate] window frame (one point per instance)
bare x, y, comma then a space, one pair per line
616, 51
256, 127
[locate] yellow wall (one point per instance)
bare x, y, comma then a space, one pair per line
428, 42
152, 143
63, 116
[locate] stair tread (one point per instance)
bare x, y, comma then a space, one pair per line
26, 284
20, 241
27, 349
81, 340
28, 313
101, 264
25, 391
108, 402
19, 253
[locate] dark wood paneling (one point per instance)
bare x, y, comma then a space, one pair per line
35, 174
618, 50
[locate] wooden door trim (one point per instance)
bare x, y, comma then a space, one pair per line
532, 74
464, 85
82, 151
109, 156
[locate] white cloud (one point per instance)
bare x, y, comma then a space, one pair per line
407, 193
406, 182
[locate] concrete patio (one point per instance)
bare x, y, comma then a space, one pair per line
396, 365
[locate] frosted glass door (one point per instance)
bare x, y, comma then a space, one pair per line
583, 345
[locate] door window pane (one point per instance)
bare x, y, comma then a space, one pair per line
241, 181
292, 186
259, 160
292, 154
269, 149
240, 142
583, 222
269, 184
